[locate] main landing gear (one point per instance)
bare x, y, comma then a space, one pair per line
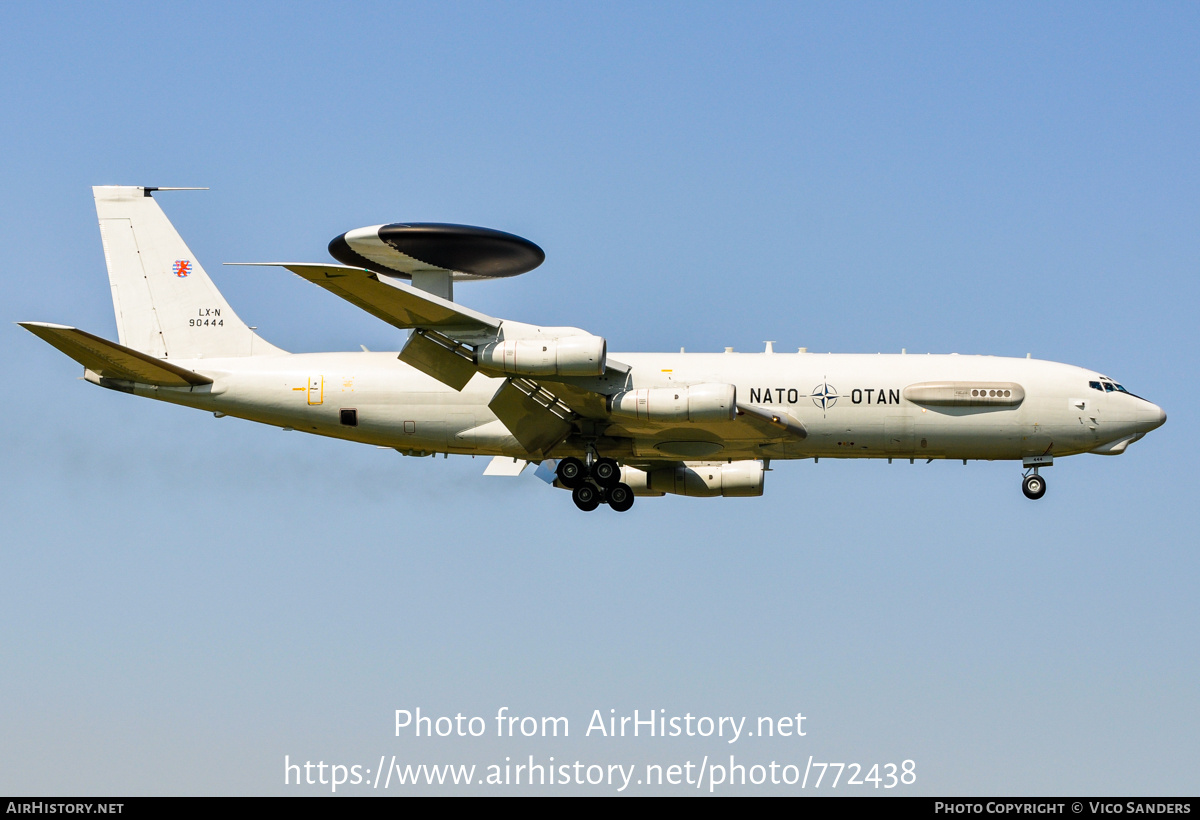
595, 485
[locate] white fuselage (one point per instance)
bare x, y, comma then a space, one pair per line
851, 405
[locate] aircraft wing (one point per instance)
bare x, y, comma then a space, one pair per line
398, 305
444, 330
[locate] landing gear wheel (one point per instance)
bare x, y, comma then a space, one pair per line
586, 497
571, 473
620, 497
606, 472
1034, 486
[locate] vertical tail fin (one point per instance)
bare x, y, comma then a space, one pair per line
165, 303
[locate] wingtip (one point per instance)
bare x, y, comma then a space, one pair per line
49, 325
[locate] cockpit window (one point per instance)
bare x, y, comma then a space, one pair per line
1106, 385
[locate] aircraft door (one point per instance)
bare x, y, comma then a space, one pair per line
316, 389
898, 434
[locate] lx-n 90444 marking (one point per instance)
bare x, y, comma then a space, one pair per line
608, 427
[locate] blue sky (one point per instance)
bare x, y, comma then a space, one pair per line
187, 600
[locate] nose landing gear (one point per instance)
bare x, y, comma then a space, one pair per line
1034, 486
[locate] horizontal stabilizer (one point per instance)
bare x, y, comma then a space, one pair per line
111, 360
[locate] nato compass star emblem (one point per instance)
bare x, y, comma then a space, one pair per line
824, 396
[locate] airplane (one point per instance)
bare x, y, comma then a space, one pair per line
606, 427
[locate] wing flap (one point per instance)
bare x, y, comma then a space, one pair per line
111, 360
537, 424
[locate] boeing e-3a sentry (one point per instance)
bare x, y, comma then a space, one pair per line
608, 427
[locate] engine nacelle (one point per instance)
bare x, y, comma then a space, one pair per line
566, 356
736, 479
696, 402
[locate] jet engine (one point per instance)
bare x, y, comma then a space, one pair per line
582, 355
697, 402
730, 479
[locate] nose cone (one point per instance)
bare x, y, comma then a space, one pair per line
1150, 417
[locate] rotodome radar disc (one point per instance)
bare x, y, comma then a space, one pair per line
468, 252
